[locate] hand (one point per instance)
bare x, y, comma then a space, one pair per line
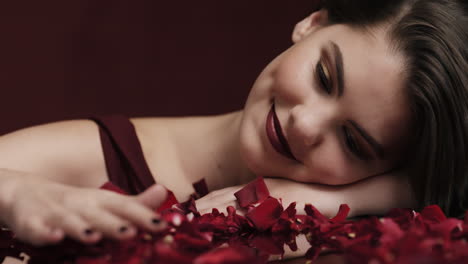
219, 199
44, 212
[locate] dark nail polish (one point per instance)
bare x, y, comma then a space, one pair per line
123, 229
88, 231
156, 221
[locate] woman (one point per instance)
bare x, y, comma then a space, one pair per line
371, 97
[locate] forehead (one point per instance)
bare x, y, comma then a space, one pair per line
374, 80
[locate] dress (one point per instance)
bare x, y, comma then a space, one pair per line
125, 163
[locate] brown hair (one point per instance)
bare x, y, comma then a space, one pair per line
432, 35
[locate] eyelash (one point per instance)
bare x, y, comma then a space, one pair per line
322, 78
352, 145
350, 140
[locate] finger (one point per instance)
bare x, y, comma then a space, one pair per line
73, 226
153, 197
108, 224
134, 212
36, 232
222, 208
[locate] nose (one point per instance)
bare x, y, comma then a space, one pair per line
308, 124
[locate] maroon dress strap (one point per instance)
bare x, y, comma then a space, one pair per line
125, 162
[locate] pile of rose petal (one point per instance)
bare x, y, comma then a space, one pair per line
403, 236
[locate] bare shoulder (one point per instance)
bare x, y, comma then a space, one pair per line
158, 141
68, 151
68, 127
149, 125
152, 132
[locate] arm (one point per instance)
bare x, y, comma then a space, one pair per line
67, 152
372, 196
48, 180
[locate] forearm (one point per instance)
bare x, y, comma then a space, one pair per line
379, 194
374, 195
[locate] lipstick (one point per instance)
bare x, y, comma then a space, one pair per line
275, 135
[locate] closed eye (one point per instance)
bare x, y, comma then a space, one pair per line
353, 145
323, 77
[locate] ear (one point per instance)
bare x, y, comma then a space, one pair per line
309, 24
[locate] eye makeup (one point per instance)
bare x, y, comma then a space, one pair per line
353, 144
332, 58
323, 76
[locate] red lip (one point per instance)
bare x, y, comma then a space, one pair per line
276, 136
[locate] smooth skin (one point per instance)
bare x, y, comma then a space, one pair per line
52, 172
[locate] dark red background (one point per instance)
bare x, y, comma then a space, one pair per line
76, 58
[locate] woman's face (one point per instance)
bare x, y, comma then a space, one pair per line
331, 109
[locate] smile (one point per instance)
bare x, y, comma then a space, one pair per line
276, 136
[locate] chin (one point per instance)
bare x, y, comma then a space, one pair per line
255, 159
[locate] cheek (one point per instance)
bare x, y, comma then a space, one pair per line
327, 164
292, 80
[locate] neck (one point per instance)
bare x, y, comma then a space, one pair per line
210, 150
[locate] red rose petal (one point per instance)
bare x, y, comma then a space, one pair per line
433, 213
230, 255
266, 214
313, 212
112, 187
267, 245
290, 212
403, 236
201, 188
168, 253
254, 192
169, 202
188, 207
391, 232
341, 215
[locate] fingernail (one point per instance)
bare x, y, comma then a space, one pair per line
88, 231
155, 221
123, 229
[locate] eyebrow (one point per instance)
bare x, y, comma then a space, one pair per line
338, 67
376, 146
